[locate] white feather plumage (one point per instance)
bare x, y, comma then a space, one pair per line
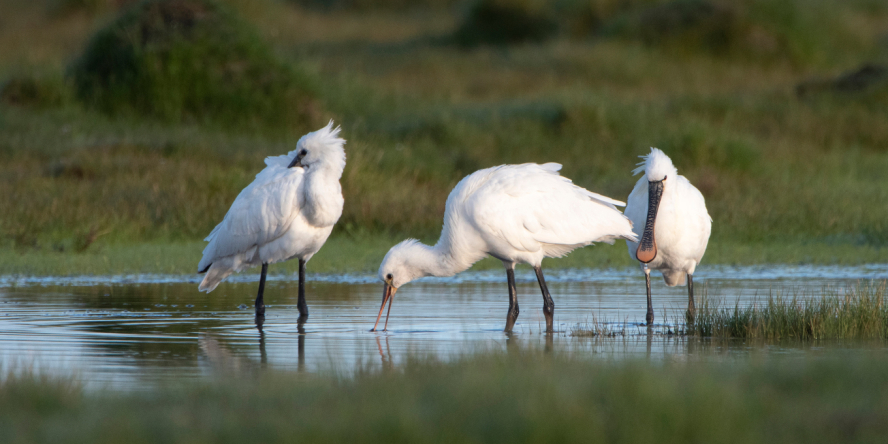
656, 166
682, 225
516, 213
284, 213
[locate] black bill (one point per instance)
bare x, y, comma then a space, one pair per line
647, 246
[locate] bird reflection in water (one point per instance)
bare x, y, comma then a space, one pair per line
263, 355
300, 347
221, 359
388, 364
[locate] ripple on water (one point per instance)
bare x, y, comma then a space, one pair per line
136, 330
723, 272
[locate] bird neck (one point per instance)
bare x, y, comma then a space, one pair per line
435, 261
322, 195
325, 170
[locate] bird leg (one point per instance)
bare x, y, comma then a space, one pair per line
692, 309
512, 316
303, 307
548, 303
260, 304
649, 317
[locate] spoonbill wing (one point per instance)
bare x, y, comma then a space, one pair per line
530, 206
262, 212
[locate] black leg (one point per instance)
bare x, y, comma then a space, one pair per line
692, 309
260, 303
548, 303
649, 318
513, 300
303, 307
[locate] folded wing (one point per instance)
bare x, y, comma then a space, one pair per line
531, 207
262, 212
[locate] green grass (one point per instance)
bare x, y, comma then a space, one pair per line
519, 396
858, 313
341, 254
363, 254
786, 179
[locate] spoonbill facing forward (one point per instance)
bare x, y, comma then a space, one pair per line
676, 225
515, 213
287, 212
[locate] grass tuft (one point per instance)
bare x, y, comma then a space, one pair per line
859, 312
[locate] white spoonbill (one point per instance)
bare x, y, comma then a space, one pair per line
287, 212
515, 213
676, 225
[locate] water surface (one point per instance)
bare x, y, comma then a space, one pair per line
132, 332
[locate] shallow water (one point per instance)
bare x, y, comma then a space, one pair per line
131, 332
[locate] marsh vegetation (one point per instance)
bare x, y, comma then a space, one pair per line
519, 396
857, 312
119, 153
788, 177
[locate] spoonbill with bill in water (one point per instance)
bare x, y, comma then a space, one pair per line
515, 213
676, 225
287, 212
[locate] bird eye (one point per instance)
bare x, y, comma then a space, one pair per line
303, 152
389, 276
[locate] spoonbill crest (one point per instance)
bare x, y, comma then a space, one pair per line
287, 212
676, 225
515, 213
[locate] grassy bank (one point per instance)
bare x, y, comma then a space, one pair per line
515, 397
363, 254
788, 177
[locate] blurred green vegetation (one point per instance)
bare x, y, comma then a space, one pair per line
502, 22
745, 96
514, 396
190, 60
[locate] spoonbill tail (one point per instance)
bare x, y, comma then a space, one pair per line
287, 212
676, 225
515, 213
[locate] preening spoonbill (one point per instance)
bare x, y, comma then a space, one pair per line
676, 225
515, 213
287, 212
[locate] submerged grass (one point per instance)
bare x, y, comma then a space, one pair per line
858, 312
518, 396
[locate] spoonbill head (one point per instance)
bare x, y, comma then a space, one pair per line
676, 225
407, 261
319, 149
287, 212
515, 213
657, 168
